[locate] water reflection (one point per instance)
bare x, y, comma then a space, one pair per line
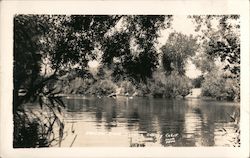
150, 122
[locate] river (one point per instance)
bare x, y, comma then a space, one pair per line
146, 122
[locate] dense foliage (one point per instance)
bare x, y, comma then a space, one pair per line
48, 47
131, 51
220, 36
177, 50
31, 87
197, 82
219, 87
52, 53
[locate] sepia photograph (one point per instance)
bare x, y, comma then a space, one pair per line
126, 80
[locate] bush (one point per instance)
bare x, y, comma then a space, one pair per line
103, 87
41, 128
178, 85
157, 88
85, 85
198, 81
184, 87
127, 87
232, 88
169, 86
26, 133
215, 85
157, 85
142, 89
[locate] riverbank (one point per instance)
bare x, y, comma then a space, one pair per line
118, 97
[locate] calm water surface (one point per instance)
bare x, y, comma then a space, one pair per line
125, 122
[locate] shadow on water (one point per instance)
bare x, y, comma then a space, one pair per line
154, 122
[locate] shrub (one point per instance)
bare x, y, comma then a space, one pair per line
178, 85
184, 87
103, 87
127, 86
41, 128
157, 88
157, 85
169, 86
215, 85
26, 133
85, 86
198, 81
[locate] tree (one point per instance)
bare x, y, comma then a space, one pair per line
220, 37
59, 42
133, 47
48, 47
30, 130
176, 51
74, 39
27, 30
221, 41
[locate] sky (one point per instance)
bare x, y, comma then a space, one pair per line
181, 24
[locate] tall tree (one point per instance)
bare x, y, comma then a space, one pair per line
176, 51
221, 39
133, 48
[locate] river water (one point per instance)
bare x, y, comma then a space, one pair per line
145, 122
